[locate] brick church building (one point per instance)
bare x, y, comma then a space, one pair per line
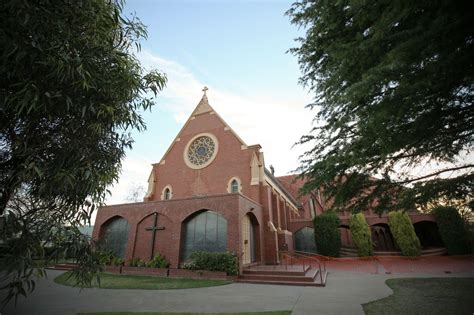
212, 192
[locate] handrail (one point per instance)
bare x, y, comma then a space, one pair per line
324, 258
285, 257
310, 257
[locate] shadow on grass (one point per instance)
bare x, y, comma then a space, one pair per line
426, 296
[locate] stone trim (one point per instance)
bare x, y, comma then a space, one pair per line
229, 185
163, 193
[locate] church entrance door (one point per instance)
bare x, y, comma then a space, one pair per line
248, 241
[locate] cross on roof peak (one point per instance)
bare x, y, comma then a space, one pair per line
205, 90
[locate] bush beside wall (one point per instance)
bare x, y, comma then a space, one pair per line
453, 230
404, 233
158, 262
327, 234
361, 235
227, 262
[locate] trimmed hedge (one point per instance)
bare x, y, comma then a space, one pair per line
453, 230
327, 234
226, 261
361, 235
404, 233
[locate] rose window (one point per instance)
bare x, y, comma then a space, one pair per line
201, 150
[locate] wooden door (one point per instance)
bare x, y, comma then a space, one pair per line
246, 240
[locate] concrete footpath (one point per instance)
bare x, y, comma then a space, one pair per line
344, 294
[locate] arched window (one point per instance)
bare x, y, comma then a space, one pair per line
115, 236
207, 232
167, 193
234, 186
304, 240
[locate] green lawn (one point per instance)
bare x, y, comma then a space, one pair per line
426, 296
110, 281
148, 313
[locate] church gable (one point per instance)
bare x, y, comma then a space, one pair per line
203, 158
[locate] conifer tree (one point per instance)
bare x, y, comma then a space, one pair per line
393, 89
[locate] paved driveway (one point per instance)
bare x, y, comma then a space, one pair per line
344, 294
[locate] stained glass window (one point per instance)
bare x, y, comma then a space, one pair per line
201, 150
206, 232
304, 240
115, 236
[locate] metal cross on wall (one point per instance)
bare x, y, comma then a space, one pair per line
153, 229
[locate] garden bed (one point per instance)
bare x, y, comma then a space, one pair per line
168, 272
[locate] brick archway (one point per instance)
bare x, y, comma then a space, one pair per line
428, 234
382, 238
250, 238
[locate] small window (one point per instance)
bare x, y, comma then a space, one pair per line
167, 193
234, 186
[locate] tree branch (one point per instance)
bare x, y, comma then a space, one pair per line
435, 173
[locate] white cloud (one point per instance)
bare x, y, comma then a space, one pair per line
135, 171
258, 119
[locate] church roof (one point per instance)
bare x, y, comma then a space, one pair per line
285, 191
204, 107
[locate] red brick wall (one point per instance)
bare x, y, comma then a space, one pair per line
206, 188
172, 215
230, 161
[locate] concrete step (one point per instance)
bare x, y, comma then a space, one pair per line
434, 251
352, 252
301, 272
306, 278
348, 252
316, 281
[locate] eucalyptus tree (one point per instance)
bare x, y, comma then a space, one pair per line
71, 90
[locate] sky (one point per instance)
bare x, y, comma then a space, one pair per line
238, 49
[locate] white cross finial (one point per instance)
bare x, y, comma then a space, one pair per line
205, 90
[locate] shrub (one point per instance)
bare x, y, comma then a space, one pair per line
105, 258
117, 261
361, 235
226, 261
327, 234
136, 262
404, 233
158, 262
453, 230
